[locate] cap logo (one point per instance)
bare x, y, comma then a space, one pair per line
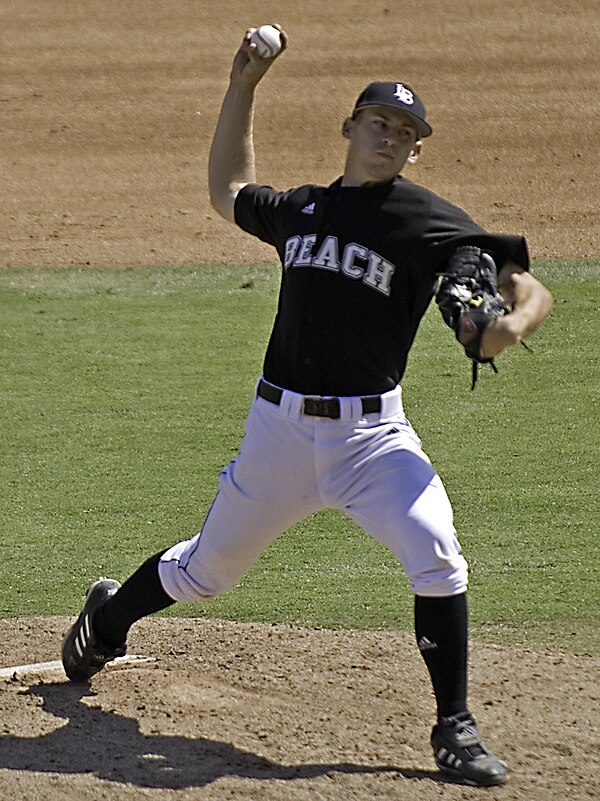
404, 95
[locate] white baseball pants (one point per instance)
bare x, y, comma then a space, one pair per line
291, 465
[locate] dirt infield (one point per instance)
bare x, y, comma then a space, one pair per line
108, 110
276, 712
107, 114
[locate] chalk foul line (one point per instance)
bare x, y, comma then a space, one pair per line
43, 668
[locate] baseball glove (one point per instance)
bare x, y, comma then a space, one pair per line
469, 300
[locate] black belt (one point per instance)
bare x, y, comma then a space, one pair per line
317, 407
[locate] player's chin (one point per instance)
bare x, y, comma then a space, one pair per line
384, 170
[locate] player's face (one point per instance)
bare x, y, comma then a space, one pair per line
381, 140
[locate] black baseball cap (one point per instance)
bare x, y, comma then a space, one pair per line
395, 95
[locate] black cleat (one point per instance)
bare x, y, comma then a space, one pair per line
461, 753
83, 653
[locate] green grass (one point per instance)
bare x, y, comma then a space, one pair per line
124, 392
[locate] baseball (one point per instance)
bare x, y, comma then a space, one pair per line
267, 41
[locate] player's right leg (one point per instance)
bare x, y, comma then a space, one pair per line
267, 488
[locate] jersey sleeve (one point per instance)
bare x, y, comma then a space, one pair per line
257, 211
449, 227
502, 248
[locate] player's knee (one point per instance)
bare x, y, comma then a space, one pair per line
184, 586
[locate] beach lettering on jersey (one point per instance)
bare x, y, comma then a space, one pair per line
355, 261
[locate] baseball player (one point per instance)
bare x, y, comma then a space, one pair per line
361, 260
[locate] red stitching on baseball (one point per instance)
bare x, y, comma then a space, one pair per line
266, 43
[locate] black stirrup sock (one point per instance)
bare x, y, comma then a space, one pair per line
141, 595
441, 631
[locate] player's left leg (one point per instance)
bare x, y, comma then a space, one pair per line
402, 502
386, 483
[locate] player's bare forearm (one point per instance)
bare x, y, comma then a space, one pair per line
531, 304
231, 163
231, 159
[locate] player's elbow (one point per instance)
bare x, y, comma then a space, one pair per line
222, 199
547, 301
534, 297
223, 204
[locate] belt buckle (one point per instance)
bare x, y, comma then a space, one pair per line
315, 406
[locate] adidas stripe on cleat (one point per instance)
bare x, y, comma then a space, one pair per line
460, 753
83, 652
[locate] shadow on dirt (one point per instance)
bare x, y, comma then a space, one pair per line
111, 746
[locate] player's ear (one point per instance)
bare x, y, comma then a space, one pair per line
347, 127
415, 152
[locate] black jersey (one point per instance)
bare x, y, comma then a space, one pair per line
359, 270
